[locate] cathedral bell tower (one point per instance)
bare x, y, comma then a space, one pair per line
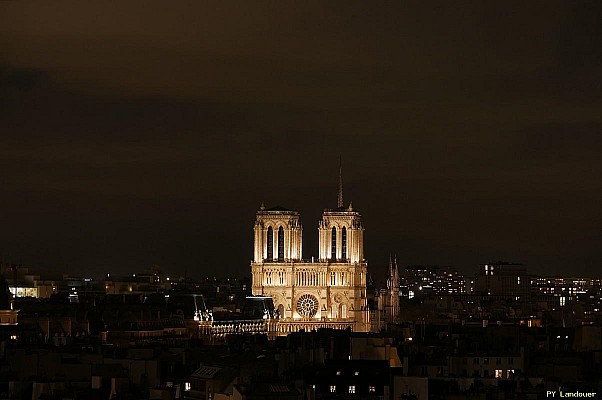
341, 233
277, 235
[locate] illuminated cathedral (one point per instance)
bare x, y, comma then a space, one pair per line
329, 291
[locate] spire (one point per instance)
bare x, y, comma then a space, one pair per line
340, 198
390, 276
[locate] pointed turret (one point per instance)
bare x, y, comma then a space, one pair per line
396, 274
393, 290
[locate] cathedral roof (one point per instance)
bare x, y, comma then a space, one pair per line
341, 211
278, 208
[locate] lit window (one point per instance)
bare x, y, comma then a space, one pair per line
280, 244
371, 389
352, 389
333, 389
187, 386
270, 243
498, 373
338, 373
344, 243
333, 246
357, 373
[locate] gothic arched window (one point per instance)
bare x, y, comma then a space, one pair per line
280, 244
344, 243
270, 243
333, 246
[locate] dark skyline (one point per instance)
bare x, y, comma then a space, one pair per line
149, 134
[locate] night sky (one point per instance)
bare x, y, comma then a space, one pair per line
148, 133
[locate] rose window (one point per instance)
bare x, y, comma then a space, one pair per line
307, 306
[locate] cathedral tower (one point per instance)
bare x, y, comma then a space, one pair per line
277, 235
341, 233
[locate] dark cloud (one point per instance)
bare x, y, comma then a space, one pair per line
562, 142
137, 136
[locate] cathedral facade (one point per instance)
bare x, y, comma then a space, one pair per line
322, 292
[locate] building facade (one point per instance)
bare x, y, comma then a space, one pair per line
503, 279
329, 291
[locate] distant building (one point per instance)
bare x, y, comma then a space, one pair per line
8, 316
141, 283
503, 279
419, 280
31, 282
352, 379
209, 380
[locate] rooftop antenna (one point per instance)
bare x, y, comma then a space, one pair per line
340, 199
